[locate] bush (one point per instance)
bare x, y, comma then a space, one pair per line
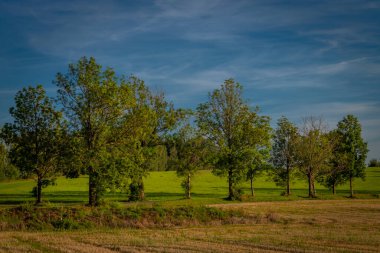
65, 224
135, 191
237, 193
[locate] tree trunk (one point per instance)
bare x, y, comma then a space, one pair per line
252, 190
351, 188
92, 198
141, 189
231, 194
39, 190
311, 186
287, 181
188, 191
333, 189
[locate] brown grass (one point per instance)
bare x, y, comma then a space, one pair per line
296, 226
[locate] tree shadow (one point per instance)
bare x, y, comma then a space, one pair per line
162, 194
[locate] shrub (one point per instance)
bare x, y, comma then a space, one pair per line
65, 224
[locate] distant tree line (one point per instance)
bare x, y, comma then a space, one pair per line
116, 130
374, 163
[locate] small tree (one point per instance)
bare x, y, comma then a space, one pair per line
334, 173
284, 153
353, 148
236, 130
260, 154
35, 136
256, 168
313, 150
190, 153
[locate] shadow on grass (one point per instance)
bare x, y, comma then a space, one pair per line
210, 195
307, 197
181, 195
261, 194
163, 195
53, 197
14, 202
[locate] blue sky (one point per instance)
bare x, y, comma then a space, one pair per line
294, 58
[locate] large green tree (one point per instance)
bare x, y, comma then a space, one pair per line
284, 155
35, 136
117, 126
258, 158
353, 148
334, 174
94, 100
236, 130
313, 151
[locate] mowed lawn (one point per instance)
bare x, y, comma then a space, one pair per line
164, 187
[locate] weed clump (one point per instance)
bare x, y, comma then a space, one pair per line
29, 217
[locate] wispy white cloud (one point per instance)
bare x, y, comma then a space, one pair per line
331, 110
312, 74
205, 80
7, 92
334, 68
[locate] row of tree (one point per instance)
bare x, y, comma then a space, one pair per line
115, 130
329, 157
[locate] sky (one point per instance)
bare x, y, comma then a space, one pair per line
294, 58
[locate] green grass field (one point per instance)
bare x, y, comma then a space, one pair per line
336, 224
164, 187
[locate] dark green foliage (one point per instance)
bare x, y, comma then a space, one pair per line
136, 188
35, 136
334, 173
353, 148
284, 153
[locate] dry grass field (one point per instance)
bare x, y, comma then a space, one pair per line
293, 226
